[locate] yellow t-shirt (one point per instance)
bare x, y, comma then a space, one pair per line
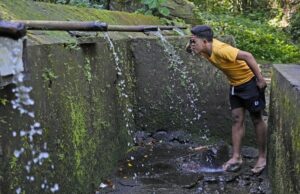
224, 58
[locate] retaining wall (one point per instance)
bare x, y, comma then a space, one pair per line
284, 129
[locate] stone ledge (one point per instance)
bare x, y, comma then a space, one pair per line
291, 72
284, 129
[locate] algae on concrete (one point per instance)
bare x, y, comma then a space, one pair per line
31, 10
284, 130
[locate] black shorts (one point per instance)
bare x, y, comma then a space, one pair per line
248, 96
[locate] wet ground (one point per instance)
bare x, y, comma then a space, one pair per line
166, 163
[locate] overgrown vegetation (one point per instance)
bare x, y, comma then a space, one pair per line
295, 27
266, 43
249, 22
154, 7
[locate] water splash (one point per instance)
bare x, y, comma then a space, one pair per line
179, 69
121, 87
23, 103
179, 31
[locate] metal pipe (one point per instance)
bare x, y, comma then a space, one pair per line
90, 26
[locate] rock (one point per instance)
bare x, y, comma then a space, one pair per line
141, 136
186, 180
249, 152
125, 5
182, 9
180, 136
161, 136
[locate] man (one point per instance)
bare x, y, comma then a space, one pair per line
246, 90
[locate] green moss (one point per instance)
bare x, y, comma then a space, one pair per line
28, 10
87, 70
284, 146
15, 177
31, 10
79, 134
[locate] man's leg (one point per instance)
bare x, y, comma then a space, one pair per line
261, 136
238, 131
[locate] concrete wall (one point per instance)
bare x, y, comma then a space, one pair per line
77, 103
284, 130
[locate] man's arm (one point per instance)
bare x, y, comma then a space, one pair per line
251, 62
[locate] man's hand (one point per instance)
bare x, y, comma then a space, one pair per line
261, 83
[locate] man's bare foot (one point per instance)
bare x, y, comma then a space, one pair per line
259, 166
233, 165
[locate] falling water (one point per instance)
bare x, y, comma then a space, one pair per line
22, 103
179, 31
178, 69
121, 84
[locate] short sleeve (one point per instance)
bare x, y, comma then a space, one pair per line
228, 53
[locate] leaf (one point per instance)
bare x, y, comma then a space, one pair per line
149, 12
164, 11
161, 1
151, 3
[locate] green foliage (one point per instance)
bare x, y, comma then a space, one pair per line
100, 4
295, 26
263, 41
154, 7
240, 6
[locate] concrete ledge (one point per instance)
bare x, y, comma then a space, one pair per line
284, 129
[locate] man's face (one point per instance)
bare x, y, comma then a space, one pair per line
198, 45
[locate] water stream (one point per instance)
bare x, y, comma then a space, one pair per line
35, 152
179, 70
121, 87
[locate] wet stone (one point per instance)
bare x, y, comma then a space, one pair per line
141, 136
161, 164
249, 152
179, 136
161, 136
128, 182
163, 167
151, 181
186, 180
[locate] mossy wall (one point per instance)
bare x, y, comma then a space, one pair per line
77, 100
78, 105
88, 103
284, 130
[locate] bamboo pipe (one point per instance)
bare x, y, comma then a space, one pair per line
141, 28
63, 25
12, 29
89, 26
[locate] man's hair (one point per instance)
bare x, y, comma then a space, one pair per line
203, 31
